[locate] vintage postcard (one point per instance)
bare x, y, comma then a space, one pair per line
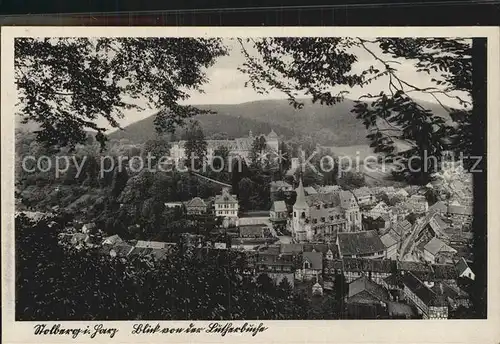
287, 184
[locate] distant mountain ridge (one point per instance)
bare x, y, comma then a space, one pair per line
330, 125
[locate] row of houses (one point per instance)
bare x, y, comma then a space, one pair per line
426, 290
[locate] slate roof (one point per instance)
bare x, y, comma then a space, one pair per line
403, 227
196, 202
362, 192
418, 288
279, 206
444, 272
357, 243
388, 240
113, 239
414, 267
331, 199
364, 284
368, 265
315, 258
459, 210
310, 190
151, 244
440, 225
345, 198
398, 308
122, 249
323, 248
451, 291
337, 264
438, 206
256, 230
140, 251
461, 266
161, 253
225, 198
328, 189
280, 184
292, 248
436, 245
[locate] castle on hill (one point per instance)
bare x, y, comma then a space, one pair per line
238, 147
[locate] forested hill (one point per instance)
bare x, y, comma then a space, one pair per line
329, 125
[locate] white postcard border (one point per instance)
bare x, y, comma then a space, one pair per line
353, 331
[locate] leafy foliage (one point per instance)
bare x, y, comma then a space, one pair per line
65, 84
53, 284
314, 66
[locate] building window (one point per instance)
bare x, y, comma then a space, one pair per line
307, 265
303, 215
294, 214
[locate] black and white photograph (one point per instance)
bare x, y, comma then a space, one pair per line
248, 178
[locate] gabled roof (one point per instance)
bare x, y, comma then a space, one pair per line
151, 244
346, 198
385, 217
459, 210
368, 265
362, 192
438, 225
196, 202
114, 239
122, 249
444, 272
451, 291
279, 206
357, 243
418, 288
252, 230
323, 248
364, 284
388, 240
438, 206
226, 197
291, 248
323, 198
403, 227
140, 251
328, 188
403, 192
436, 245
382, 206
315, 259
309, 190
462, 266
280, 184
161, 253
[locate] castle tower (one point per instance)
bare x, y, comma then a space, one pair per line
300, 214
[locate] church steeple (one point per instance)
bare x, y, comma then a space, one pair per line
300, 202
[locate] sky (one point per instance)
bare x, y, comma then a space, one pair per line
226, 84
